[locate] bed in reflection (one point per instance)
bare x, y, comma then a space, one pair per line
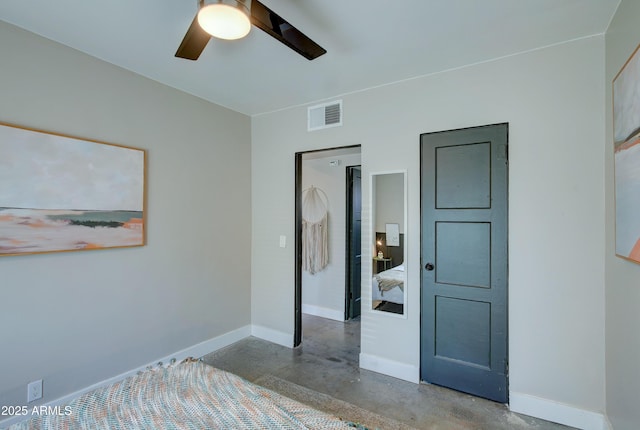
388, 290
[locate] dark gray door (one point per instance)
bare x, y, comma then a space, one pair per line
464, 260
354, 257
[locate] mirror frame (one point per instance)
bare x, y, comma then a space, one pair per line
372, 243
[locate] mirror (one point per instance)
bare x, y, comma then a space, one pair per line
388, 248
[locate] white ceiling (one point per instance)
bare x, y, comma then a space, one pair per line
369, 42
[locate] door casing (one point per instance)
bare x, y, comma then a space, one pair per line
353, 263
297, 295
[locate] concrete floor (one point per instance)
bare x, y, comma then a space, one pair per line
327, 362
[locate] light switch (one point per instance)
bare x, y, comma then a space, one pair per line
283, 241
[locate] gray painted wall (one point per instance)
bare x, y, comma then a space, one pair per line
553, 101
622, 277
75, 319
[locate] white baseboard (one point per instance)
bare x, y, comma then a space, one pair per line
406, 372
557, 412
319, 311
274, 336
195, 351
211, 345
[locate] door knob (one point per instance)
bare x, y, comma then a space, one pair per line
429, 267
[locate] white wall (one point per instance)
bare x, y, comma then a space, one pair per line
75, 319
622, 277
323, 293
552, 100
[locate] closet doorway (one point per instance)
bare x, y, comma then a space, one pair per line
323, 178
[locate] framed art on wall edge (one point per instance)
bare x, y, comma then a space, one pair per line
61, 193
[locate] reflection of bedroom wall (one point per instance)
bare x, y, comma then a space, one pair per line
75, 319
395, 252
389, 201
323, 293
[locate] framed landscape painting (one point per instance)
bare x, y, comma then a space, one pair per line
626, 127
59, 193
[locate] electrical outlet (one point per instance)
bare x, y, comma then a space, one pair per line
34, 390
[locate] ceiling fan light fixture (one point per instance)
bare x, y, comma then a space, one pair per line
225, 19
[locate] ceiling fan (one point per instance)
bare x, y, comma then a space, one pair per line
214, 18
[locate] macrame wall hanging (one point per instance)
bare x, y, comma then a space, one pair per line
315, 247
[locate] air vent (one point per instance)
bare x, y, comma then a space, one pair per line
325, 115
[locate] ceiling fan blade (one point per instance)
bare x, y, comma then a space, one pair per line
274, 25
194, 42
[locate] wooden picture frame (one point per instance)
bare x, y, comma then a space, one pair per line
626, 141
62, 193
